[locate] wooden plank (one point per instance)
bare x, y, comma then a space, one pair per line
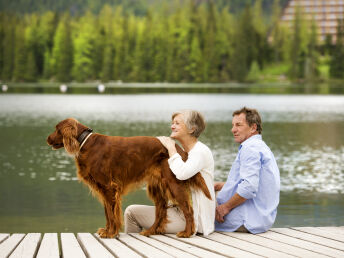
92, 247
186, 247
322, 233
3, 237
336, 230
141, 247
216, 247
28, 247
240, 241
49, 247
309, 237
302, 244
70, 246
162, 246
7, 247
265, 243
118, 248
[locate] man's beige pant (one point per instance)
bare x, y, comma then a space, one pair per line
139, 217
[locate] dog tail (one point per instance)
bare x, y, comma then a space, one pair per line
198, 182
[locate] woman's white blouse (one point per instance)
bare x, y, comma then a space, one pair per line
200, 159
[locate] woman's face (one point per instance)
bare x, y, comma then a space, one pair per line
178, 127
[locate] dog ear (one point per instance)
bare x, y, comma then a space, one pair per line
69, 131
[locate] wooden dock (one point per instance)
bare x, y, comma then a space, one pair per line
277, 242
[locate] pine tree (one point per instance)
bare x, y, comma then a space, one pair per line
47, 73
118, 41
20, 55
31, 68
279, 36
195, 67
62, 52
298, 47
8, 46
244, 46
34, 61
211, 55
261, 45
337, 60
137, 74
2, 43
224, 45
312, 60
83, 47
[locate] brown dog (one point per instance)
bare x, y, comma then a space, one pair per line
113, 165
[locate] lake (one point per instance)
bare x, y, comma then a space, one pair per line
39, 191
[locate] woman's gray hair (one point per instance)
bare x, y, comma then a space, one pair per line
193, 120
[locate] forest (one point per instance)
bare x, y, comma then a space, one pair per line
162, 41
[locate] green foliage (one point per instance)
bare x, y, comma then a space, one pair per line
20, 54
178, 41
7, 45
312, 58
337, 61
84, 49
246, 44
139, 8
254, 72
279, 36
298, 48
62, 52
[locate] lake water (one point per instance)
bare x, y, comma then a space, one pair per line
39, 191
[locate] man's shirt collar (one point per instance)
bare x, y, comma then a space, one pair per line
250, 139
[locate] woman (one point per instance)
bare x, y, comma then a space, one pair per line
187, 126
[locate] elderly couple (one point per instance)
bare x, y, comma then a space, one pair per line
246, 202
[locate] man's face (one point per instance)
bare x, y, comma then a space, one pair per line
240, 128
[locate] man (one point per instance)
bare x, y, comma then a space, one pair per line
248, 201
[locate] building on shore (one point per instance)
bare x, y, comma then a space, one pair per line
325, 13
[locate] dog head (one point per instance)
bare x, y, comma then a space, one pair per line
65, 135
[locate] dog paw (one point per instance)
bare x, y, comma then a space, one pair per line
184, 234
146, 233
159, 231
106, 234
112, 235
149, 232
102, 232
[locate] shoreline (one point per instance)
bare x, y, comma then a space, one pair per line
164, 87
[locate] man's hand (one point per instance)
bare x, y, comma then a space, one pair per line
221, 211
218, 186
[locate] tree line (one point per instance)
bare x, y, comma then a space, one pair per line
139, 8
188, 43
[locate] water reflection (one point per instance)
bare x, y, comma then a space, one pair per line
158, 107
304, 132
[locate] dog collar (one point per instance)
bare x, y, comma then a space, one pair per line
84, 134
84, 141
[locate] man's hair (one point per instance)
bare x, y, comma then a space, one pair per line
252, 117
193, 120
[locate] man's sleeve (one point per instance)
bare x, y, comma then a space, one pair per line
250, 165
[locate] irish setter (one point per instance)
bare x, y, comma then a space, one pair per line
113, 165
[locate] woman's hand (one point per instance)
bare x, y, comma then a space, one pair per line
169, 144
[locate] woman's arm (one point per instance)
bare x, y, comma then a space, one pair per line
182, 170
169, 144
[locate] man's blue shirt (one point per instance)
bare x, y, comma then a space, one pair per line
255, 176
